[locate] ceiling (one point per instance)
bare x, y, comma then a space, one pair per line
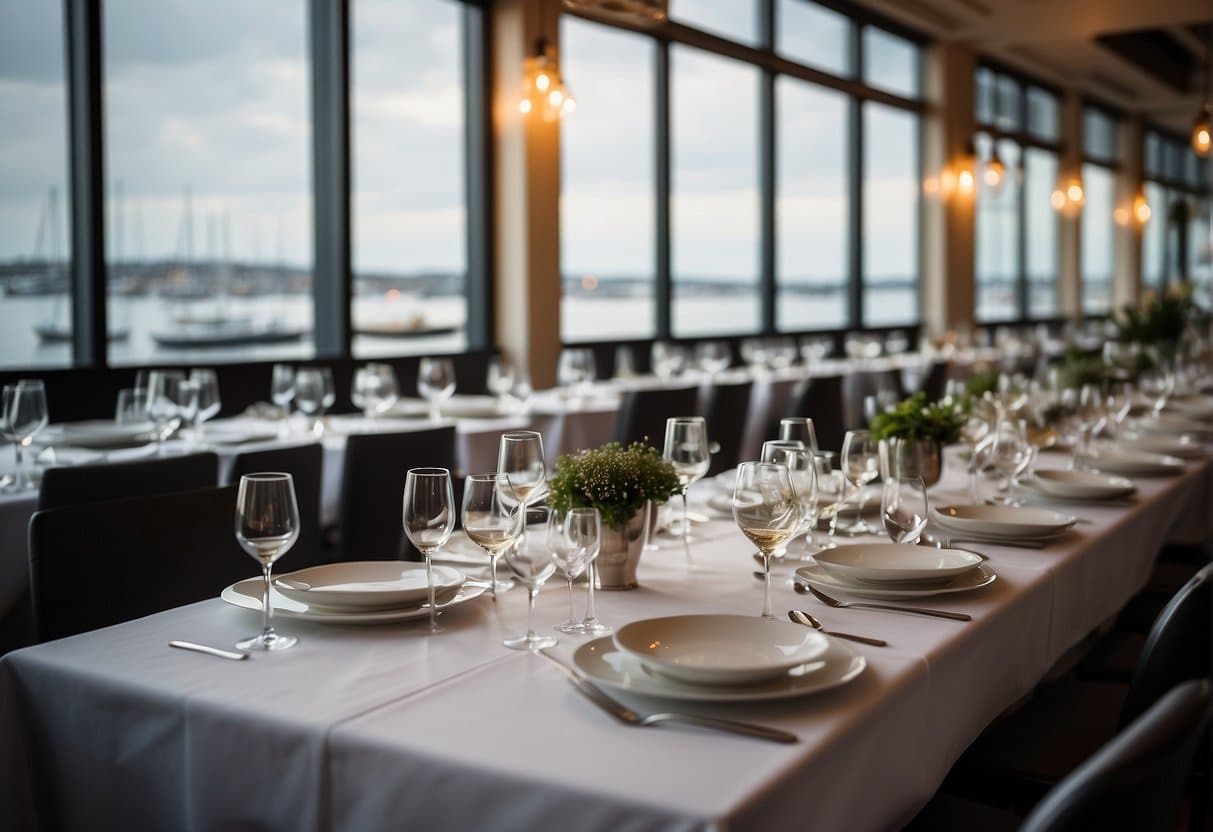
1146, 57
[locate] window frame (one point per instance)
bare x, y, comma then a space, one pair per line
1173, 186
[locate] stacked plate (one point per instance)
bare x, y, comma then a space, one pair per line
356, 592
718, 658
1079, 485
1112, 458
1195, 407
1173, 424
896, 570
98, 434
1182, 446
996, 524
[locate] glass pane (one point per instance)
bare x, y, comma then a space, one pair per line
409, 214
1040, 231
607, 214
1200, 254
890, 216
1170, 160
811, 208
814, 35
983, 95
1097, 230
208, 141
35, 242
733, 19
1154, 237
998, 236
1007, 105
1043, 115
890, 62
1099, 134
1153, 155
714, 199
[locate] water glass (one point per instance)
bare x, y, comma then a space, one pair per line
429, 519
10, 483
26, 416
1091, 412
570, 558
576, 371
209, 403
492, 519
267, 526
831, 497
713, 356
132, 406
625, 362
531, 562
861, 465
375, 389
282, 391
436, 383
799, 429
903, 508
1009, 452
802, 468
188, 392
767, 509
686, 449
500, 379
164, 402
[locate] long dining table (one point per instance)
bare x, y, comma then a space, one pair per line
389, 726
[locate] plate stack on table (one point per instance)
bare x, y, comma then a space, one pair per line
895, 570
1115, 458
1062, 484
1001, 524
97, 434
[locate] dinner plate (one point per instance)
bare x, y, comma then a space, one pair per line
894, 562
247, 594
1080, 485
722, 503
1138, 463
1172, 424
1180, 446
1196, 407
720, 649
365, 586
466, 407
1003, 521
231, 435
603, 663
814, 575
97, 434
726, 480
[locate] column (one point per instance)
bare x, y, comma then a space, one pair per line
1126, 286
1069, 274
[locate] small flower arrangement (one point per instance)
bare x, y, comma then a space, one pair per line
913, 418
1161, 318
615, 480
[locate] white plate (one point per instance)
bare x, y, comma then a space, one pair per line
814, 575
1197, 407
722, 503
365, 586
893, 562
101, 434
1180, 446
1139, 463
1003, 521
720, 649
247, 594
1080, 485
224, 435
1172, 424
467, 407
605, 664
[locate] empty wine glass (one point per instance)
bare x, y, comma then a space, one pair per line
802, 469
267, 526
861, 465
436, 383
974, 429
492, 519
570, 558
1008, 451
903, 508
531, 562
1091, 412
500, 380
131, 408
831, 497
309, 394
375, 389
583, 527
1157, 384
10, 483
1119, 403
26, 417
575, 372
188, 392
686, 449
209, 403
329, 398
164, 402
429, 519
767, 510
282, 390
800, 429
713, 356
625, 362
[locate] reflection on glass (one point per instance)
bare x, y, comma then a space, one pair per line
1154, 237
714, 193
1200, 250
890, 62
998, 236
811, 208
35, 242
1040, 231
890, 215
733, 19
409, 214
607, 200
1097, 247
814, 35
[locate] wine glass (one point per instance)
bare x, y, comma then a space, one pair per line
802, 469
1008, 451
861, 465
767, 510
520, 461
131, 408
531, 562
583, 527
282, 390
570, 558
625, 362
267, 526
329, 397
163, 402
903, 508
713, 356
831, 496
500, 380
9, 483
1156, 384
974, 429
800, 429
209, 403
436, 383
1092, 412
309, 394
575, 371
26, 416
686, 449
492, 519
1119, 403
188, 392
429, 519
375, 390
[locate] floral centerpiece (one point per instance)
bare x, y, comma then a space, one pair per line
915, 431
1160, 318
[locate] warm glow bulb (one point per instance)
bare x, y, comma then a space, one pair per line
1121, 216
555, 98
1202, 133
1074, 193
964, 182
1141, 209
524, 106
570, 104
930, 186
1058, 200
542, 82
993, 174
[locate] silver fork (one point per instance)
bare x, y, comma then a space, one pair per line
842, 605
629, 717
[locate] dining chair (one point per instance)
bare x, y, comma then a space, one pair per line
305, 465
97, 482
642, 413
820, 399
934, 380
101, 563
725, 412
859, 385
370, 525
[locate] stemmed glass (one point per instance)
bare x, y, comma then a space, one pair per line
520, 461
9, 483
799, 429
329, 396
188, 392
131, 408
1119, 402
802, 469
493, 520
282, 391
576, 371
713, 356
686, 449
903, 508
209, 403
767, 510
625, 362
164, 402
861, 465
429, 519
972, 433
532, 563
583, 528
309, 395
1091, 411
500, 380
831, 496
436, 383
375, 389
26, 416
1009, 452
569, 556
1157, 384
267, 526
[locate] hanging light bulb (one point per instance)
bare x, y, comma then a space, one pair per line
995, 172
966, 166
543, 90
1075, 195
1202, 132
1141, 209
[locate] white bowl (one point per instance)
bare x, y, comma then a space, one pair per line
367, 585
1141, 463
1005, 521
720, 649
1084, 485
895, 562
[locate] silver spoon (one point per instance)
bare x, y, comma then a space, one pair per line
802, 617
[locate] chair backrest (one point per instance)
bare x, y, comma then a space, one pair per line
305, 464
934, 381
859, 385
820, 399
1137, 780
78, 484
97, 564
642, 413
1178, 647
725, 412
372, 488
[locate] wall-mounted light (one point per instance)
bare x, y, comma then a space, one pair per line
543, 90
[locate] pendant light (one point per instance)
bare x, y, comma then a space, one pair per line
543, 90
1202, 128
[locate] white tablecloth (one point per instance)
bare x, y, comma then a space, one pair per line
390, 727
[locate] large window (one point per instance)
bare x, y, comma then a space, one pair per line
1175, 240
35, 247
998, 238
890, 216
1041, 252
814, 36
1097, 239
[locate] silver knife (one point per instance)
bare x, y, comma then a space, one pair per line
210, 651
629, 717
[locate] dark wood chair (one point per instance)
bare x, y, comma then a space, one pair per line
77, 484
820, 399
725, 411
305, 464
643, 413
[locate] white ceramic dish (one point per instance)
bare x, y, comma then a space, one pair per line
247, 594
98, 434
1081, 485
726, 481
466, 407
230, 435
976, 578
603, 663
719, 649
1003, 521
894, 562
364, 586
721, 503
1172, 424
1132, 463
1179, 446
1195, 407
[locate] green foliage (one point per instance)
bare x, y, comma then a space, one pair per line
615, 480
913, 418
1079, 368
1161, 318
978, 384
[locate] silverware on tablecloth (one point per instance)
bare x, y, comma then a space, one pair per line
864, 605
629, 717
802, 617
208, 650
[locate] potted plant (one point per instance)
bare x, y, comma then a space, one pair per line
921, 431
621, 483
